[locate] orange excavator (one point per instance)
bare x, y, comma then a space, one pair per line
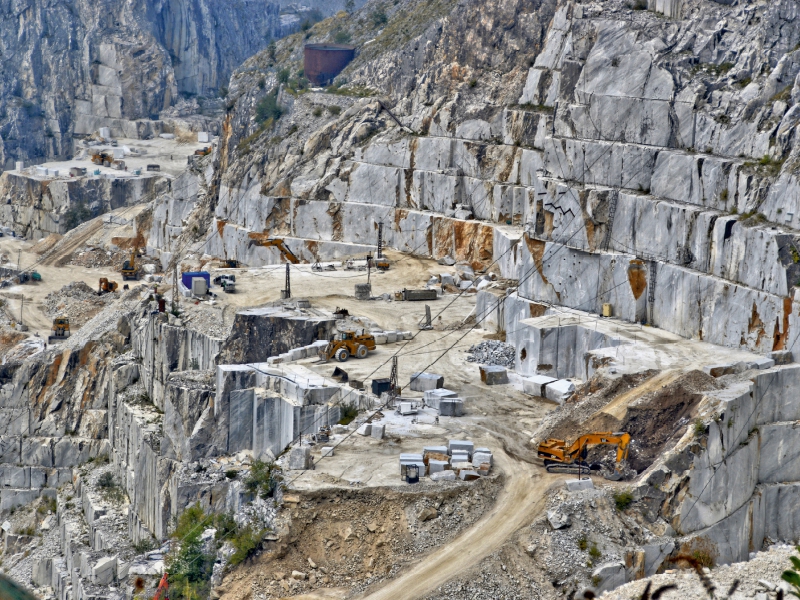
280, 245
163, 588
562, 458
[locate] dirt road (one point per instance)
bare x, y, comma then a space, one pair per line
520, 501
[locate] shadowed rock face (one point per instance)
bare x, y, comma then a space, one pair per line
70, 68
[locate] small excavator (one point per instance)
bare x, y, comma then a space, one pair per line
129, 268
107, 286
102, 158
163, 588
562, 458
280, 245
60, 330
347, 344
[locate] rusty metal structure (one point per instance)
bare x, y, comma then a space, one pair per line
323, 62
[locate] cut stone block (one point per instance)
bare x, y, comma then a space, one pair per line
299, 458
443, 476
451, 407
481, 457
378, 431
493, 375
762, 363
719, 370
559, 391
104, 571
782, 357
434, 397
381, 338
459, 457
365, 429
467, 475
391, 337
535, 385
577, 485
422, 382
463, 445
609, 575
327, 451
437, 466
434, 449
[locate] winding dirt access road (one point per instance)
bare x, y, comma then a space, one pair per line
520, 501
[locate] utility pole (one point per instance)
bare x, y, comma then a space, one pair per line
21, 304
393, 387
19, 256
380, 239
175, 287
287, 291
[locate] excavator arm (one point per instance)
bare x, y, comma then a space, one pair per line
560, 457
280, 245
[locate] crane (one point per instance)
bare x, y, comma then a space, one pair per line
280, 245
562, 458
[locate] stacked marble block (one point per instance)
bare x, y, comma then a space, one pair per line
459, 459
295, 354
390, 337
557, 390
445, 401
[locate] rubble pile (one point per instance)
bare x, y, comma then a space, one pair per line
92, 257
76, 301
492, 352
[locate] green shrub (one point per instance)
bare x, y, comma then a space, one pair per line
262, 479
317, 112
245, 543
792, 575
348, 413
583, 543
189, 567
623, 499
594, 552
231, 474
145, 545
334, 110
341, 37
699, 427
268, 108
379, 18
283, 75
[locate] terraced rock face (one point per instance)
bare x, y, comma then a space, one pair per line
72, 68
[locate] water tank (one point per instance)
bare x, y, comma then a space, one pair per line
323, 62
199, 286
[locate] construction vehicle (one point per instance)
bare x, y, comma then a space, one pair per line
227, 282
382, 264
36, 276
347, 344
203, 151
60, 329
163, 588
280, 245
119, 165
323, 434
562, 458
102, 158
230, 263
106, 286
129, 268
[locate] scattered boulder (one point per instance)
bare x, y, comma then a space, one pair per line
428, 513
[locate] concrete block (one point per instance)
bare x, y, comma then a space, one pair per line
535, 385
482, 457
463, 445
493, 375
720, 370
433, 397
378, 431
467, 475
421, 382
577, 485
104, 571
365, 429
300, 458
327, 451
443, 476
451, 407
560, 390
437, 466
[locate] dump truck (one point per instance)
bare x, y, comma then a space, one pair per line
129, 268
347, 344
102, 158
60, 329
560, 457
107, 286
